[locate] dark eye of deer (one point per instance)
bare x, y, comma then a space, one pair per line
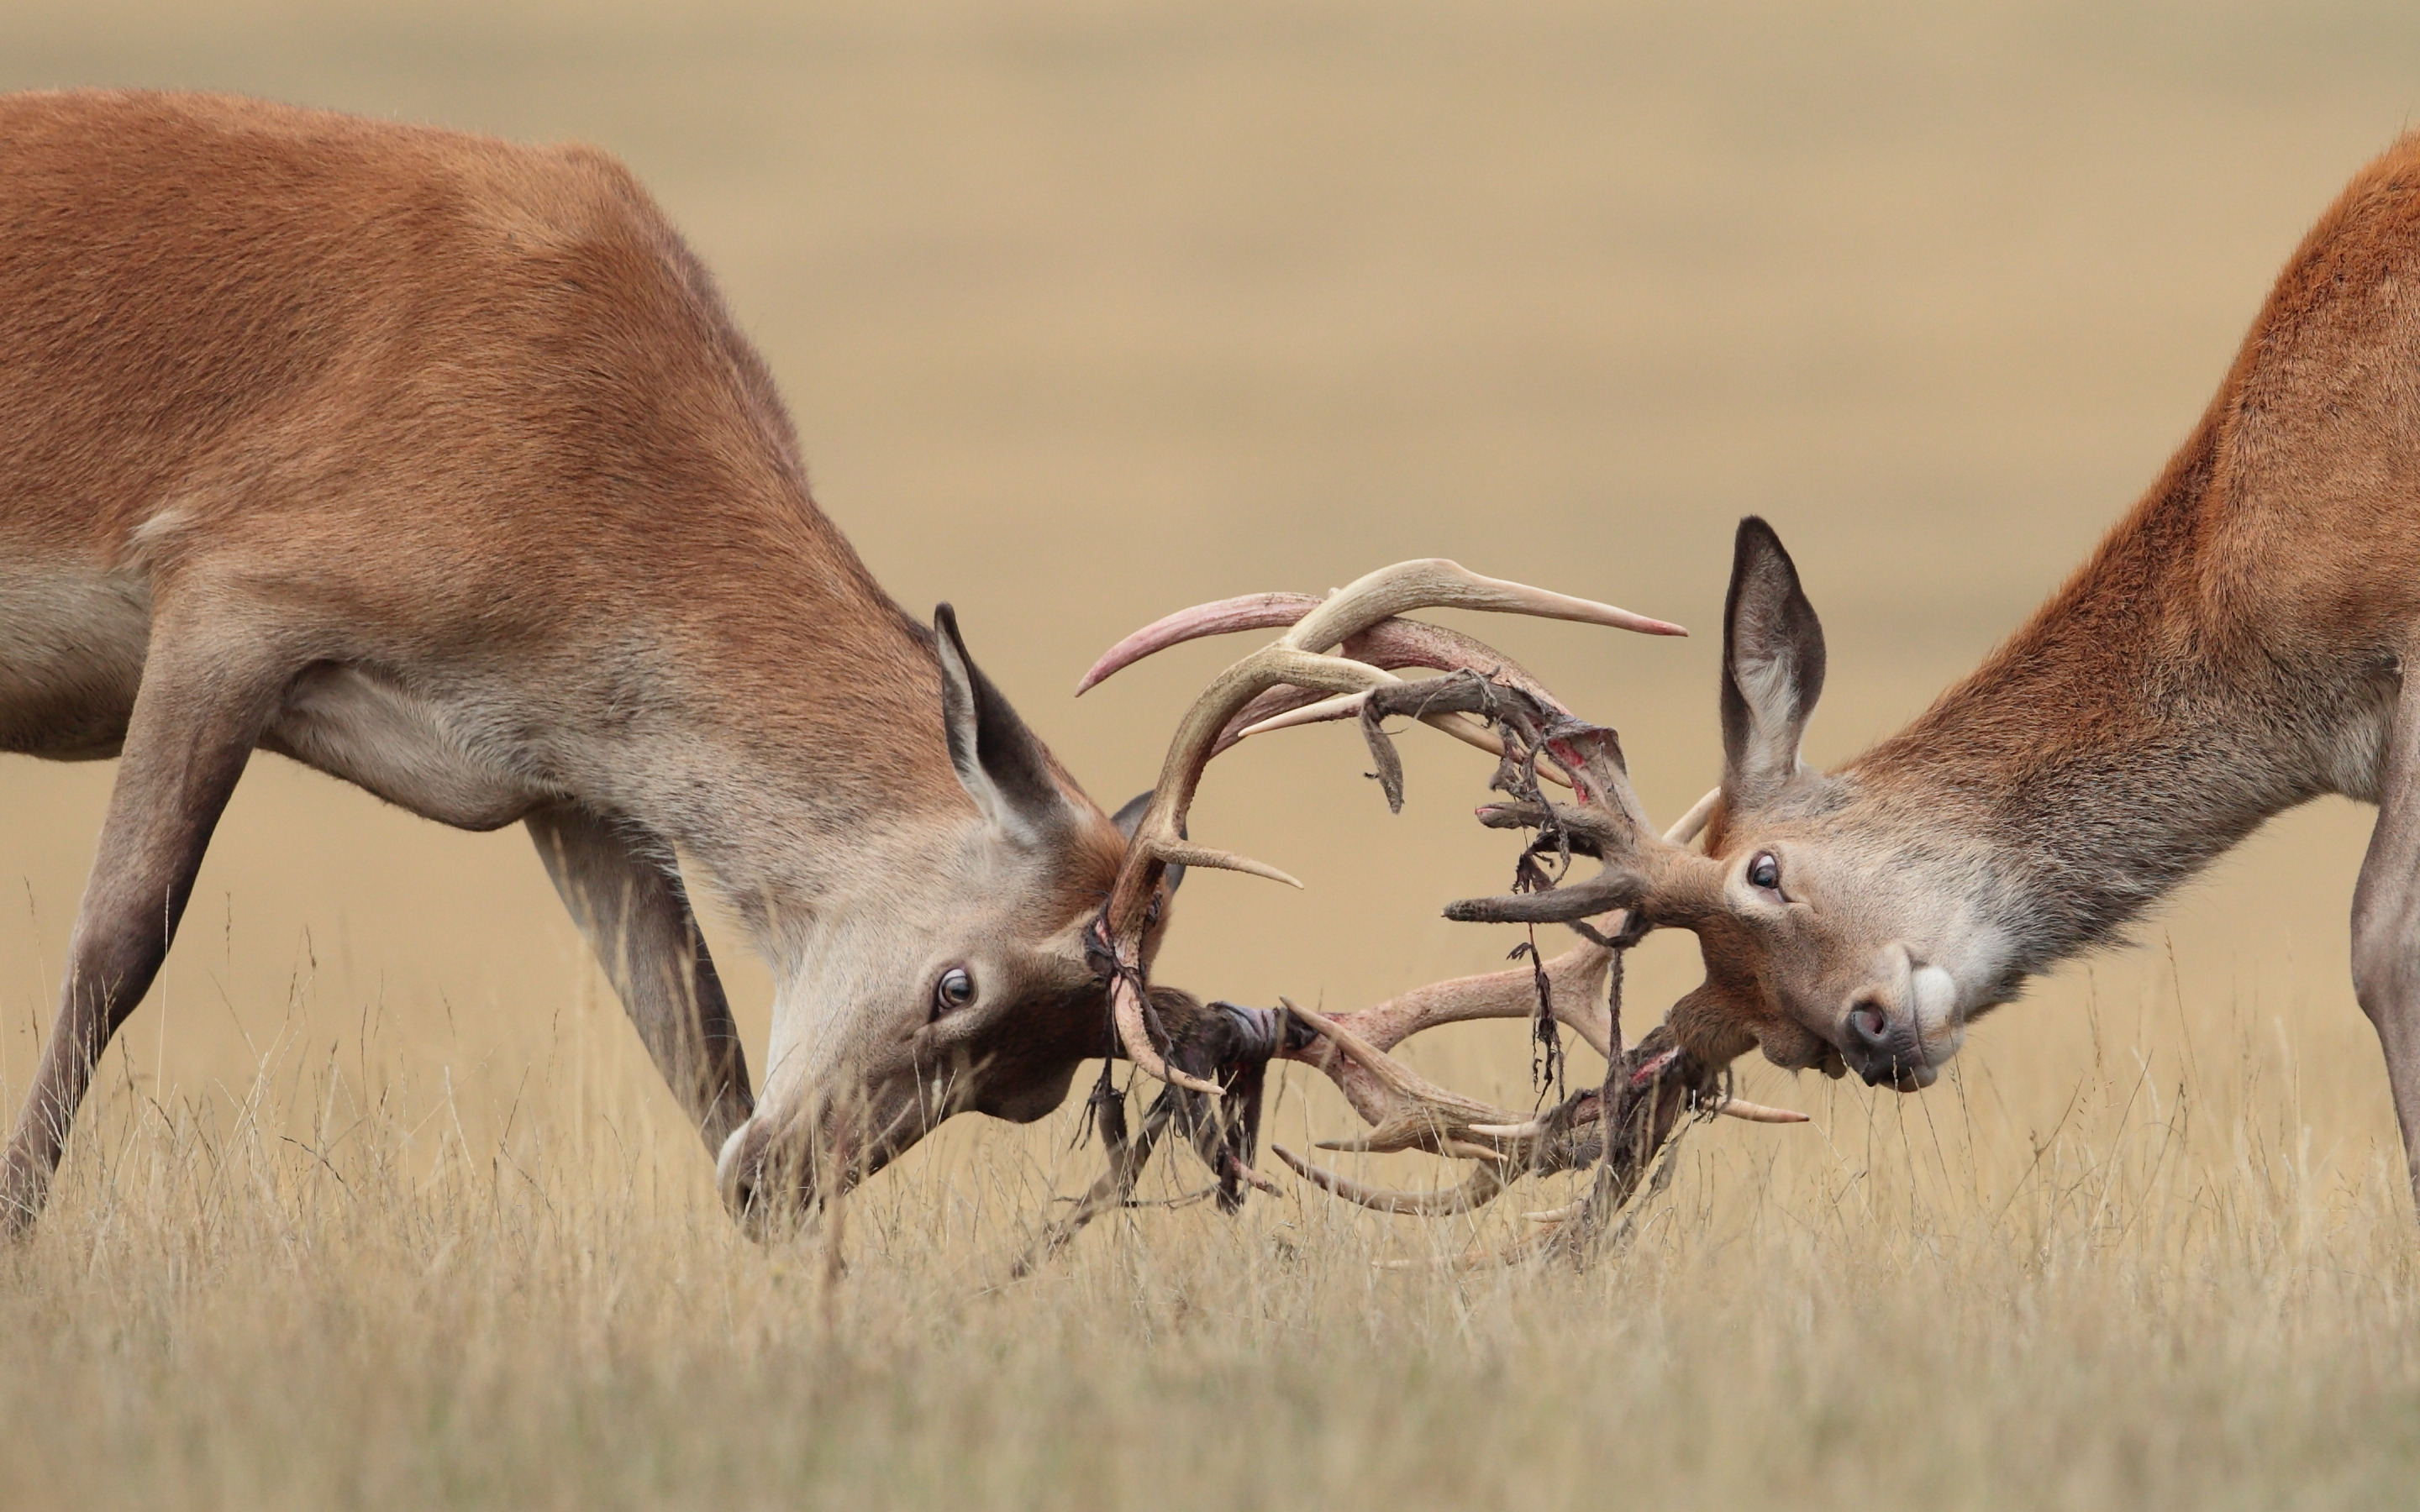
1764, 871
953, 991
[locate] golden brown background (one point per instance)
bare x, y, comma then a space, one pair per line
1087, 311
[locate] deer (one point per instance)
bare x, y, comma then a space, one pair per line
2237, 645
436, 464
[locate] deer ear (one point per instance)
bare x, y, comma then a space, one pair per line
1773, 667
1000, 763
1127, 818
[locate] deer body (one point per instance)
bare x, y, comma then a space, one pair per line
435, 463
2235, 647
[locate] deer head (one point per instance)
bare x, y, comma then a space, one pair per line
1847, 922
1844, 926
1851, 925
960, 981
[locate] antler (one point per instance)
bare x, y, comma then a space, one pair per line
1618, 1127
1404, 1111
1298, 661
1232, 1044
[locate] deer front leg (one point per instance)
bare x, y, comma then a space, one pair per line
636, 915
2386, 922
205, 699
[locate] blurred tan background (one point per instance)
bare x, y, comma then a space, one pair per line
1087, 311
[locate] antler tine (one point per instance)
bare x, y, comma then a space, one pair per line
1626, 1132
1486, 1180
1252, 612
1390, 645
1643, 869
1404, 1110
1728, 1107
1257, 611
1576, 985
1159, 837
1435, 582
1687, 828
1296, 658
1283, 708
1299, 708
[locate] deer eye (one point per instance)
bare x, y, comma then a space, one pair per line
1765, 873
955, 990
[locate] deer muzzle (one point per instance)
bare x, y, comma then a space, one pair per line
1902, 1027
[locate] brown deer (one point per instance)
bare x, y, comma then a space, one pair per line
434, 463
2235, 646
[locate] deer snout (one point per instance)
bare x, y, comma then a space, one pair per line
773, 1173
1900, 1026
767, 1180
1879, 1043
739, 1176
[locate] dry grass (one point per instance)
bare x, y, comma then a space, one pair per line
336, 1287
1088, 310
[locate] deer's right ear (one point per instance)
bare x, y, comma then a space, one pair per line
1773, 667
1127, 818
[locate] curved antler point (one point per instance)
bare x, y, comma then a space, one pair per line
1739, 1107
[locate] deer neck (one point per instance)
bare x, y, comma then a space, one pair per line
2154, 713
785, 737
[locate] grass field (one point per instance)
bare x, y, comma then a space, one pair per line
1087, 311
323, 1291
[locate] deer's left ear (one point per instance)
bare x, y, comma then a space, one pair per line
1000, 762
1773, 667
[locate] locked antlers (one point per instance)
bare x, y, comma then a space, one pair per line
1618, 1127
1301, 664
1646, 879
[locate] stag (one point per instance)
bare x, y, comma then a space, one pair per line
435, 463
2239, 644
1614, 1130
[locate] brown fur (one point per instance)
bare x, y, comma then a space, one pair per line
436, 462
2233, 648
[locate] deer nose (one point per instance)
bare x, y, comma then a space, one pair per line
1881, 1046
1869, 1023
